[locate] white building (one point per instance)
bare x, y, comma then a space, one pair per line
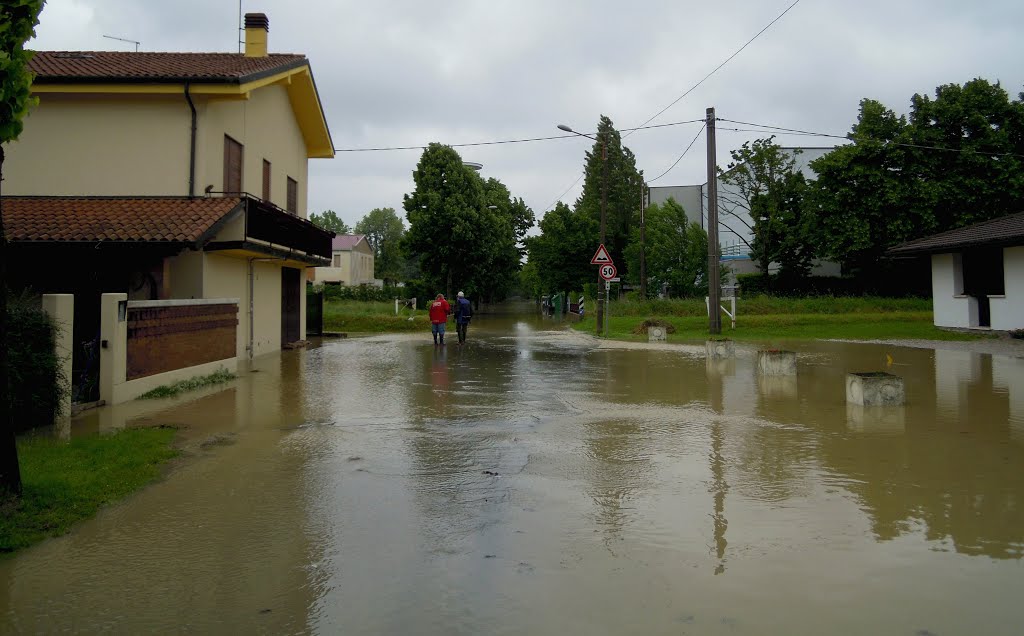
977, 273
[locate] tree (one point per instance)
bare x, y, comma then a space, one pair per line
561, 253
330, 221
447, 223
955, 161
766, 186
18, 20
624, 190
384, 230
677, 251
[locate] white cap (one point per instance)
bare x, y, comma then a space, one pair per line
461, 295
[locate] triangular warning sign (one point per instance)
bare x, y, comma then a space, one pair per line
601, 257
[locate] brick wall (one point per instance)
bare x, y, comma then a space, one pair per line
168, 338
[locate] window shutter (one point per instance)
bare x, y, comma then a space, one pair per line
266, 181
232, 165
293, 196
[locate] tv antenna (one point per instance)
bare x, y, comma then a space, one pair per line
135, 42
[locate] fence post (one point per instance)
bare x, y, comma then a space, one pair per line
113, 344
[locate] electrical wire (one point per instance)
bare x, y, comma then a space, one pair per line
512, 141
676, 162
716, 69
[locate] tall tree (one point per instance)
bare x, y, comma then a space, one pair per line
677, 251
448, 227
624, 189
561, 253
330, 221
18, 20
383, 230
762, 181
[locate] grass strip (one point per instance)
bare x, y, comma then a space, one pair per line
169, 390
353, 316
67, 481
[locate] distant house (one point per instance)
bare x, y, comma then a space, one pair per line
170, 176
351, 262
977, 273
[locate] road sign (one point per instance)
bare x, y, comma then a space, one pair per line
601, 257
608, 272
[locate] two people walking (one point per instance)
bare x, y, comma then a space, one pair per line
438, 312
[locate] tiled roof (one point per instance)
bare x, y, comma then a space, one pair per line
346, 241
1005, 230
120, 66
119, 219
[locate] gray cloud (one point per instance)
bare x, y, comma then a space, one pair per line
407, 73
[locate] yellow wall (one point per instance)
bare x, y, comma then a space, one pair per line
101, 145
265, 126
225, 277
356, 267
187, 275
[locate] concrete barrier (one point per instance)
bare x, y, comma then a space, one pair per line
776, 362
720, 349
875, 388
656, 334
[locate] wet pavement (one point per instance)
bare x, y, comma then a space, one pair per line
534, 482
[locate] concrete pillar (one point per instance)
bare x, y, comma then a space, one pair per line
717, 349
875, 389
61, 310
656, 334
113, 344
776, 362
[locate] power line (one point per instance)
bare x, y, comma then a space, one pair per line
715, 70
797, 131
507, 141
680, 156
556, 201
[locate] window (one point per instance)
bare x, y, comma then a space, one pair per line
232, 165
266, 181
337, 260
293, 196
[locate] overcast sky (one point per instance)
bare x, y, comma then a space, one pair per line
405, 73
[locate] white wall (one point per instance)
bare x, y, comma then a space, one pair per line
1008, 311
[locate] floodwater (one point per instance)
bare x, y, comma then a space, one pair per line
532, 482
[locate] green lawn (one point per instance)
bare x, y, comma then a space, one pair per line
67, 481
355, 316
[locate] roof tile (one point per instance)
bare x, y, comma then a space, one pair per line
127, 219
1005, 230
65, 66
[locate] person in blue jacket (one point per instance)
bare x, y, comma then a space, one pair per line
463, 312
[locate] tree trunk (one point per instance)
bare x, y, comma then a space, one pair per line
10, 474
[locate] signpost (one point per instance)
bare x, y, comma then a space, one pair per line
607, 272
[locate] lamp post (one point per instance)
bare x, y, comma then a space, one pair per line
604, 214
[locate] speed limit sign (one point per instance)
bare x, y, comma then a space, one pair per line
608, 272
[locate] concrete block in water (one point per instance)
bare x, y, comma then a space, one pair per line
875, 389
655, 334
717, 349
776, 362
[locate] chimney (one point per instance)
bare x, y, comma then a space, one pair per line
256, 27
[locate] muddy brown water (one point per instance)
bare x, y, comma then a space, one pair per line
531, 482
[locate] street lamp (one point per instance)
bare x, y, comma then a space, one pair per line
604, 214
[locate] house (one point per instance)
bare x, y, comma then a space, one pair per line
977, 273
170, 176
351, 262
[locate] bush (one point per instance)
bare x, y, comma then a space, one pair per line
37, 384
365, 293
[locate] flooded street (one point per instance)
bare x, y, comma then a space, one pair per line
534, 481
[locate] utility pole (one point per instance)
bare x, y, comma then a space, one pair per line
714, 284
601, 292
643, 246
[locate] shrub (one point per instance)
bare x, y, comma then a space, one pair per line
37, 383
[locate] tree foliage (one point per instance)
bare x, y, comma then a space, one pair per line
561, 253
384, 230
767, 187
625, 185
464, 230
330, 221
677, 251
18, 20
957, 160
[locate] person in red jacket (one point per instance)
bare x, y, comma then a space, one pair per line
439, 310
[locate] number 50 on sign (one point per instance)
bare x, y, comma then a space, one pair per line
608, 272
